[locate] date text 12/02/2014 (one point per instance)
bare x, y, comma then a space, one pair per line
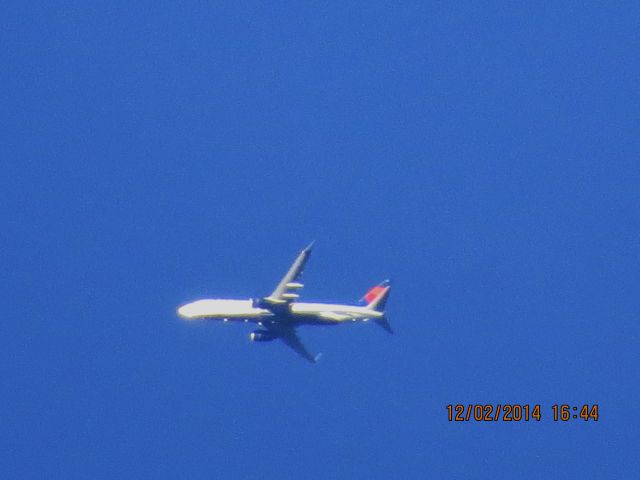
512, 412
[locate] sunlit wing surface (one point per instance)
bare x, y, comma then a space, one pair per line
291, 339
286, 290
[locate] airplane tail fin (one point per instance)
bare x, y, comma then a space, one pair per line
376, 299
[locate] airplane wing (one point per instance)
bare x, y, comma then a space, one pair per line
285, 291
291, 339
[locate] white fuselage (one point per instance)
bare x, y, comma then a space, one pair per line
301, 313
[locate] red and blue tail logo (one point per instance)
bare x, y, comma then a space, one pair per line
376, 296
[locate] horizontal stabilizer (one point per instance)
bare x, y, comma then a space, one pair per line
384, 323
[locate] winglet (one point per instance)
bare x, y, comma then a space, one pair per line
317, 357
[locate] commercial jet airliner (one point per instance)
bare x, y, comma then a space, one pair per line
280, 313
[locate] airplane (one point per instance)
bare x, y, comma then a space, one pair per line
280, 314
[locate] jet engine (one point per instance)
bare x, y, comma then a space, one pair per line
262, 336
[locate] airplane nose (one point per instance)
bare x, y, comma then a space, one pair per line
182, 311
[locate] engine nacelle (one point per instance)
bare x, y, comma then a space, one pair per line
262, 336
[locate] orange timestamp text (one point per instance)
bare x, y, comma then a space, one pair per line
514, 412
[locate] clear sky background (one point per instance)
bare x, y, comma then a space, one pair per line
484, 157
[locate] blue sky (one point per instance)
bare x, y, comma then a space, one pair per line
483, 157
